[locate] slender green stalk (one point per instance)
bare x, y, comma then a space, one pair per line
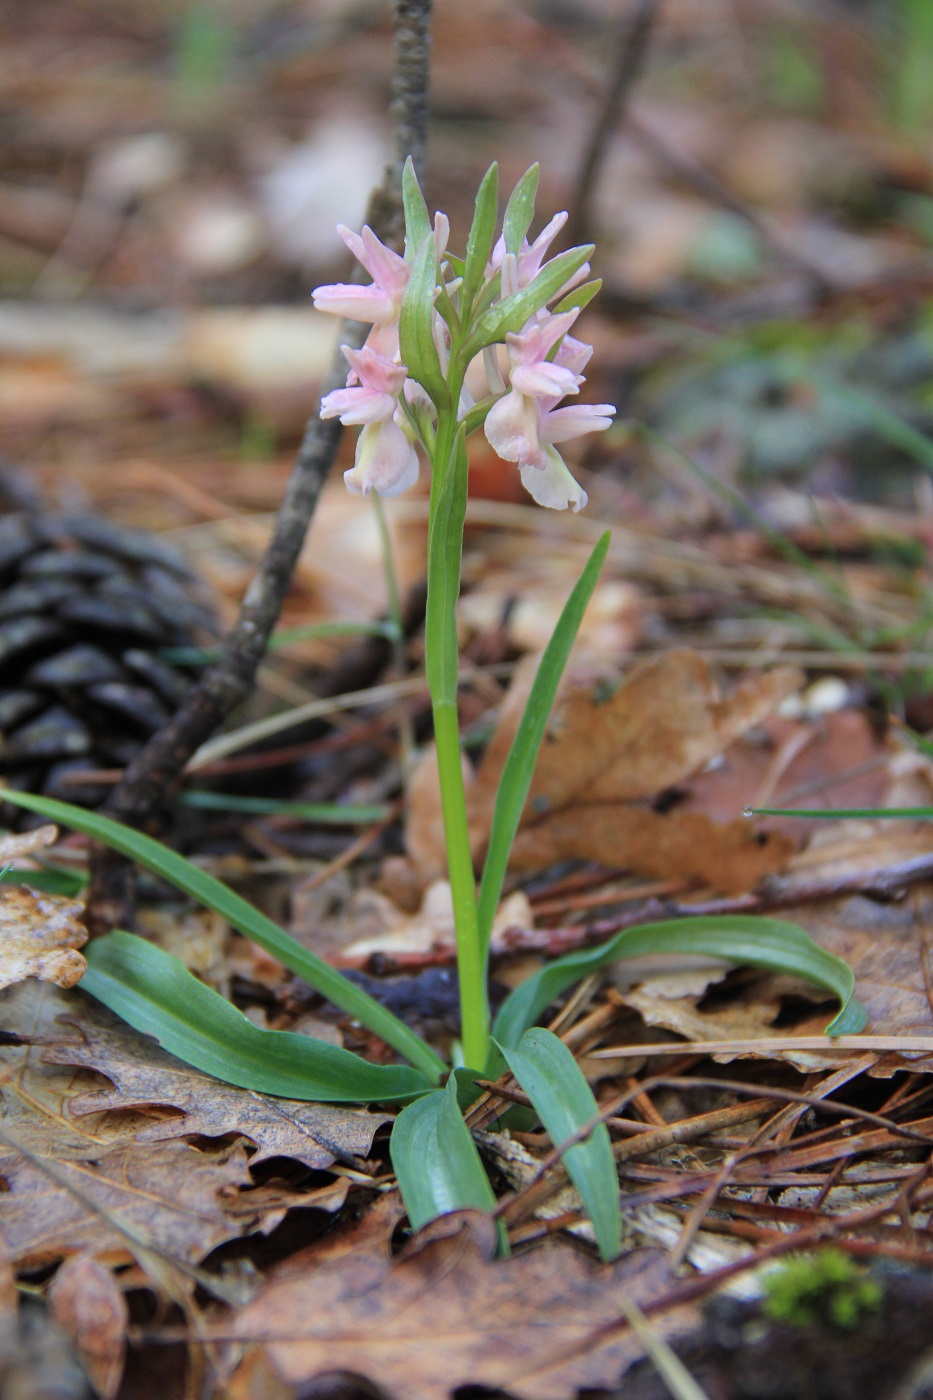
445, 546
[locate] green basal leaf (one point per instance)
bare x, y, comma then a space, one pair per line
772, 944
510, 315
436, 1161
48, 879
523, 755
242, 916
520, 210
560, 1095
580, 296
416, 324
417, 219
481, 235
154, 992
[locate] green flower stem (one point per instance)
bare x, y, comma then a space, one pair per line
445, 547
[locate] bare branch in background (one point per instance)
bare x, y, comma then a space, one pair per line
634, 37
143, 797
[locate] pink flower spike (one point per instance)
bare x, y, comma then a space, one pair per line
551, 484
385, 462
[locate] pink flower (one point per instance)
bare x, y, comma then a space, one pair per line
385, 461
380, 302
530, 256
531, 372
373, 388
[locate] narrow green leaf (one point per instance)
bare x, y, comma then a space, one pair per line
520, 210
835, 813
416, 324
512, 314
417, 218
520, 765
481, 235
579, 297
244, 917
154, 992
49, 879
560, 1095
773, 944
324, 813
436, 1161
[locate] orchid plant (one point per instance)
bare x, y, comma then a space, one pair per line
456, 345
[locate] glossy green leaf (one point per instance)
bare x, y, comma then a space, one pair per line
523, 754
436, 1161
416, 324
773, 944
511, 314
481, 235
417, 219
562, 1099
155, 993
244, 917
520, 210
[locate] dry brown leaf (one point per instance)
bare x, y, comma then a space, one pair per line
39, 936
730, 857
447, 1314
146, 1077
88, 1305
34, 1096
169, 1195
19, 845
602, 757
659, 728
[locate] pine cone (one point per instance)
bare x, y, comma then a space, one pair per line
86, 607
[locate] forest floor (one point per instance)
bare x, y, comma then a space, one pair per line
170, 181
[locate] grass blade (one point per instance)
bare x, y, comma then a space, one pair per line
324, 813
242, 916
436, 1161
772, 944
562, 1099
520, 765
154, 992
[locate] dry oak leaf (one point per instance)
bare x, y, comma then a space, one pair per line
447, 1314
88, 1305
731, 856
39, 936
34, 1097
169, 1195
604, 759
146, 1077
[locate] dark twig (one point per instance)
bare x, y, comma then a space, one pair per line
634, 36
142, 798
